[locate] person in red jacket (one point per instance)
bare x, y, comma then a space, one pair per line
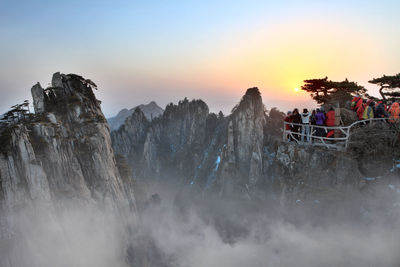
360, 111
356, 102
288, 127
330, 121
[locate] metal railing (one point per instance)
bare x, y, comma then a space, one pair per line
340, 141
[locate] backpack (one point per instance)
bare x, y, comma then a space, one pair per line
354, 103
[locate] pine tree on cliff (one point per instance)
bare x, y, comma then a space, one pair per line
390, 86
324, 91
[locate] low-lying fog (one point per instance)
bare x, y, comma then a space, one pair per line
183, 230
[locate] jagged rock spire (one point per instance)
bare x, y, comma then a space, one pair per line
38, 98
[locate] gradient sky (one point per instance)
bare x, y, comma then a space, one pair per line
138, 51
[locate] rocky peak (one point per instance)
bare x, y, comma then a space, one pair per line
186, 108
131, 135
150, 111
70, 97
38, 96
251, 102
152, 104
161, 147
201, 149
243, 159
184, 124
123, 112
253, 93
137, 116
64, 149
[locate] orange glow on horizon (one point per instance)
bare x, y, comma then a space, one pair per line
280, 58
276, 59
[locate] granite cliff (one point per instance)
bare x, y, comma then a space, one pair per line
65, 180
192, 146
240, 154
60, 155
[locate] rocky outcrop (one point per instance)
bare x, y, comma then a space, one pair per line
150, 111
301, 173
38, 98
245, 146
63, 151
239, 155
167, 146
197, 148
57, 170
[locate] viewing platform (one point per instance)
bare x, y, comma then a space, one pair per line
341, 134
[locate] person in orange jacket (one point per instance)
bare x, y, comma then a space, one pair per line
330, 121
394, 112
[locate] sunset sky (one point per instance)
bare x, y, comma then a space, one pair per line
139, 51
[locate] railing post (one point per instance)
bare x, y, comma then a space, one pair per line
311, 134
347, 138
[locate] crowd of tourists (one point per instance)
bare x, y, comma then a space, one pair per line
368, 109
300, 124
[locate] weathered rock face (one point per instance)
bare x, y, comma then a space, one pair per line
197, 148
237, 155
167, 146
38, 98
59, 178
22, 176
307, 173
243, 157
64, 151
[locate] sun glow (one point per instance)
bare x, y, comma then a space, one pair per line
296, 89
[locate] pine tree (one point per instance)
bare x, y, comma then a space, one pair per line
390, 86
324, 91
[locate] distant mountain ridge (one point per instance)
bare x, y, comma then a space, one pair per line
150, 111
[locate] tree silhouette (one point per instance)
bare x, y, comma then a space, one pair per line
17, 112
324, 90
390, 85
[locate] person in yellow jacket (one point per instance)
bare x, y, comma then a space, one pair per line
394, 112
369, 110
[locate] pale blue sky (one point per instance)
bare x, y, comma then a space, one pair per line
138, 51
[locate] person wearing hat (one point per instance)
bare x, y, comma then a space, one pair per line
305, 129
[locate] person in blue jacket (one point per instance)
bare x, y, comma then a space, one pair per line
380, 111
